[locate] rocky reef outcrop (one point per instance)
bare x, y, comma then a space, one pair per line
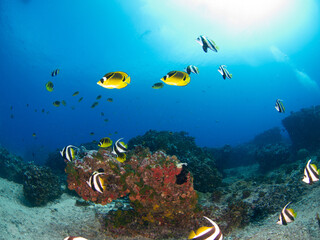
12, 167
303, 128
200, 162
158, 194
272, 156
40, 185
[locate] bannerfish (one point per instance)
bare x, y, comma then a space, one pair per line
207, 43
105, 142
63, 102
56, 103
286, 216
75, 238
207, 233
80, 99
68, 153
224, 72
55, 72
94, 104
176, 78
75, 93
157, 85
119, 149
279, 106
96, 182
49, 86
98, 97
114, 80
92, 133
110, 100
191, 69
311, 173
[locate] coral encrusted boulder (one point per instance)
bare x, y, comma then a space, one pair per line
200, 162
40, 185
303, 128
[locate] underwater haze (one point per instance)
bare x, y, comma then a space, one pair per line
270, 47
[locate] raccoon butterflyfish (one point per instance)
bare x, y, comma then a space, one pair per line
114, 80
311, 173
96, 182
49, 86
279, 106
43, 110
92, 133
55, 72
191, 69
110, 100
75, 93
34, 135
286, 216
210, 233
99, 97
106, 120
63, 102
224, 72
56, 103
121, 157
105, 142
80, 99
157, 85
68, 153
94, 104
176, 78
207, 43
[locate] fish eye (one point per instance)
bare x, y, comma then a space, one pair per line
101, 80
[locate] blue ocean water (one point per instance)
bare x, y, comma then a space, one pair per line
272, 54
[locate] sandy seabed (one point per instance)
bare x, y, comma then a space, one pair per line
62, 218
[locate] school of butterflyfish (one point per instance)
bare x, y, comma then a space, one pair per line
120, 80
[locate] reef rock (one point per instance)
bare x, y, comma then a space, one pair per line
272, 156
303, 128
12, 167
200, 162
40, 185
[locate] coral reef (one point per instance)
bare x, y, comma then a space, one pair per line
40, 185
303, 128
150, 181
55, 162
12, 167
270, 136
272, 156
200, 162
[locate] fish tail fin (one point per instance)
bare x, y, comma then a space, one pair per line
192, 235
294, 214
230, 74
314, 166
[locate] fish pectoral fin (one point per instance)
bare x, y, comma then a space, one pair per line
205, 48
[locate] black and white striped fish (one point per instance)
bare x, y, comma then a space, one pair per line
119, 147
311, 173
68, 153
96, 182
224, 72
286, 216
207, 233
191, 69
75, 238
207, 43
55, 72
279, 106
